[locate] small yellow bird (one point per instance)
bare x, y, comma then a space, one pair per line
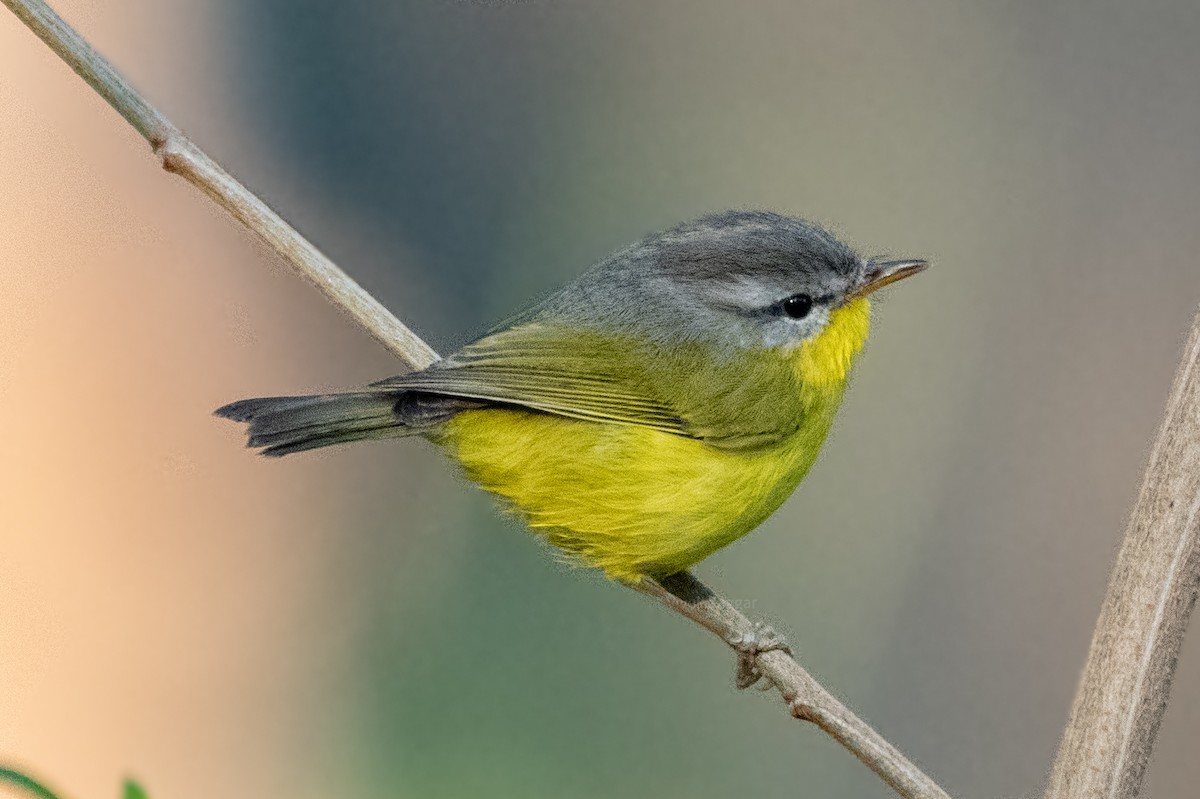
647, 414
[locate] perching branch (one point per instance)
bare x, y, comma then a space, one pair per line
806, 698
682, 593
1127, 680
180, 156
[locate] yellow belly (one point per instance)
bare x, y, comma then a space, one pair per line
629, 500
632, 500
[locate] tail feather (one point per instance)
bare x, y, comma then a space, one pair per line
301, 443
283, 425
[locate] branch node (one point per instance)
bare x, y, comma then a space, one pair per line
801, 710
172, 153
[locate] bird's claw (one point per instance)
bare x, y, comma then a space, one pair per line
749, 646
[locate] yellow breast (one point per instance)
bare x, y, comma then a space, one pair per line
633, 500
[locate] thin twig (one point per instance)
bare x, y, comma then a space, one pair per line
806, 698
1153, 588
181, 156
681, 593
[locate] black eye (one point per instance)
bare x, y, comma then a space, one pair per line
797, 306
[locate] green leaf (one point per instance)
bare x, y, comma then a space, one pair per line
134, 791
29, 784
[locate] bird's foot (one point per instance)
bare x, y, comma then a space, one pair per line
749, 646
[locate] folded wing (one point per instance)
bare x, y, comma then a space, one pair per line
571, 373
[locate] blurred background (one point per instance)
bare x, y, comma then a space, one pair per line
360, 622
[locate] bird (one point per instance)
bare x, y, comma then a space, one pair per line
655, 409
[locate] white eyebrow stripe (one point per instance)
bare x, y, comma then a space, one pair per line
739, 292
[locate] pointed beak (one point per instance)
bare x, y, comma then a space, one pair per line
881, 273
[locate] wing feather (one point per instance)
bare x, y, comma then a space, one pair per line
582, 375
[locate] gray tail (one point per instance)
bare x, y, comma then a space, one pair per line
283, 425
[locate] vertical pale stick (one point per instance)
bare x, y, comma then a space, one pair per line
1127, 680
